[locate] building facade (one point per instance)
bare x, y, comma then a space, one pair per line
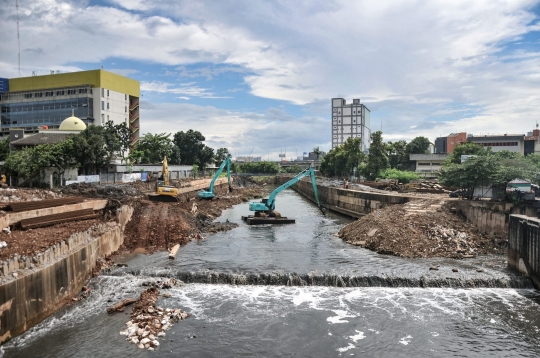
428, 165
499, 142
96, 96
350, 121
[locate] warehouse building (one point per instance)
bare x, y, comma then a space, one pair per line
35, 103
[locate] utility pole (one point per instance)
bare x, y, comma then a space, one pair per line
18, 37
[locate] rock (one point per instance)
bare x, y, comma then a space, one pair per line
161, 334
145, 341
433, 268
141, 346
150, 310
151, 337
155, 343
134, 340
124, 333
140, 332
167, 295
145, 333
147, 345
455, 270
150, 348
119, 307
479, 270
372, 232
75, 299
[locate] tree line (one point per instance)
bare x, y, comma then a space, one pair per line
96, 147
384, 160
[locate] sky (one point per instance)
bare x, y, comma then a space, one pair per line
257, 77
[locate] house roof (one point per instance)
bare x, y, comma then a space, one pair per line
41, 138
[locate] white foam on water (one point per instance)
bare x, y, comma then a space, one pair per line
492, 321
358, 336
345, 349
406, 340
435, 334
339, 318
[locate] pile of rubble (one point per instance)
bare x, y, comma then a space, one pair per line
431, 187
423, 228
149, 322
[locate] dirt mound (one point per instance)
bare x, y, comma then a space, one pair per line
158, 225
426, 228
8, 195
108, 191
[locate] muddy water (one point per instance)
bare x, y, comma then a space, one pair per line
255, 319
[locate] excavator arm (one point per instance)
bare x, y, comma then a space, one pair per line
269, 205
203, 194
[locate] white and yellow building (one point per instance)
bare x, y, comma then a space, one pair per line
34, 103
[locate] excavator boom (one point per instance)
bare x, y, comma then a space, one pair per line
209, 194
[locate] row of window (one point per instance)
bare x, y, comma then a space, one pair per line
46, 105
57, 93
500, 144
428, 164
338, 111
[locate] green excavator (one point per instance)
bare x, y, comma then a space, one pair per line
209, 193
265, 212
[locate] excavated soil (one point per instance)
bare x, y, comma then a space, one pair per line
424, 228
158, 225
31, 242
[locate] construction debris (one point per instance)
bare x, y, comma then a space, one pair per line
49, 220
120, 306
149, 322
41, 204
425, 228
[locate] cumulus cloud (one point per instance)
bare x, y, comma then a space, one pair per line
423, 68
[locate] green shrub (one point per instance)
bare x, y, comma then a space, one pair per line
399, 175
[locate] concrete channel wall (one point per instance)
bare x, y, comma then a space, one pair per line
346, 201
524, 246
30, 295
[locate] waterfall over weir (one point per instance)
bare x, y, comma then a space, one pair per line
333, 280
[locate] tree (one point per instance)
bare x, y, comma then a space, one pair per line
175, 155
94, 148
419, 145
398, 157
4, 149
154, 147
60, 156
317, 151
221, 155
119, 138
468, 148
205, 157
377, 159
475, 172
343, 159
190, 144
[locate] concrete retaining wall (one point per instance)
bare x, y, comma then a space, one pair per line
346, 201
30, 295
524, 246
489, 217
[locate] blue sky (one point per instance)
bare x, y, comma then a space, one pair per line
261, 74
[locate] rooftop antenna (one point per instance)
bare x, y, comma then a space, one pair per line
536, 124
18, 37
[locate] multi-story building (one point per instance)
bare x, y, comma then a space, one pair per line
96, 96
350, 121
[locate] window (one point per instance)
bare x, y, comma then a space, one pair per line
28, 95
107, 117
125, 109
83, 90
103, 92
107, 105
49, 94
107, 93
38, 94
102, 105
60, 93
125, 97
102, 119
71, 91
424, 164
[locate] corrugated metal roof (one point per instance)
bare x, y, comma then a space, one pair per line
41, 138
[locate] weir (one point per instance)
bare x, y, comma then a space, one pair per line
335, 280
524, 246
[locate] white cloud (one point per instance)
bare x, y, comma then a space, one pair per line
423, 68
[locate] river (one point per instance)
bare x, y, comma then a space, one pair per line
291, 295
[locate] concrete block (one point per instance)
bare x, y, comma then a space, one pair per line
4, 268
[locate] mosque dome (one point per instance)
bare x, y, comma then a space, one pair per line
72, 124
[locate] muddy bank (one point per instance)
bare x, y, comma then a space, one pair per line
159, 226
426, 228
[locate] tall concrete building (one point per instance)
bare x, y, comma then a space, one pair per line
96, 96
350, 121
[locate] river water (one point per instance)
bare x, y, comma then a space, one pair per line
292, 295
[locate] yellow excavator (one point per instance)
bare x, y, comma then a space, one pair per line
165, 192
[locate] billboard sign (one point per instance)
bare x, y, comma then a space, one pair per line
464, 158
